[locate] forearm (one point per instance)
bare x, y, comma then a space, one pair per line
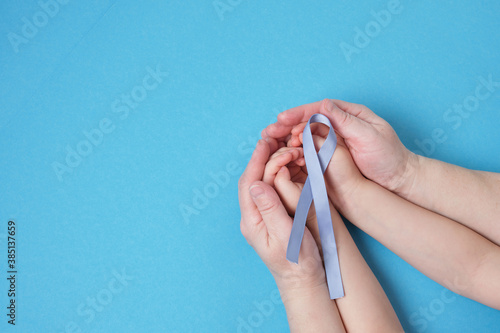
311, 310
466, 196
365, 307
445, 251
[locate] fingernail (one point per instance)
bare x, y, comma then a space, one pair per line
256, 191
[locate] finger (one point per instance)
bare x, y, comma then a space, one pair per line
270, 207
253, 172
299, 128
347, 125
340, 140
294, 141
296, 152
298, 174
284, 150
320, 129
316, 128
296, 163
274, 130
281, 158
290, 118
290, 194
274, 165
273, 145
358, 110
300, 161
287, 190
299, 114
298, 131
318, 141
298, 125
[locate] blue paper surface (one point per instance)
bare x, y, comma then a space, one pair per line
140, 231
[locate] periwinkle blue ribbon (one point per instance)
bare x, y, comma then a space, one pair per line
314, 188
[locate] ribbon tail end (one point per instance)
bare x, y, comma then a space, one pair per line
337, 295
292, 256
292, 260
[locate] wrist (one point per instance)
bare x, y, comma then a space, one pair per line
406, 181
299, 282
303, 295
350, 200
307, 275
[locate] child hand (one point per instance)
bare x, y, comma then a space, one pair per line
285, 171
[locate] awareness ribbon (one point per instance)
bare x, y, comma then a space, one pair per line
314, 188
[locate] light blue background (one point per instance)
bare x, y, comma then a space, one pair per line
229, 76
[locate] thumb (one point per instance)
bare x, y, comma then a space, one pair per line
345, 124
274, 215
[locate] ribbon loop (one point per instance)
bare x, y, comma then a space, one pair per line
314, 188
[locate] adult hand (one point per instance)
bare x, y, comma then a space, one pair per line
372, 142
266, 226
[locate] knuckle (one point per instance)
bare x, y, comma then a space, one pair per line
386, 131
346, 119
362, 107
242, 182
268, 207
327, 104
